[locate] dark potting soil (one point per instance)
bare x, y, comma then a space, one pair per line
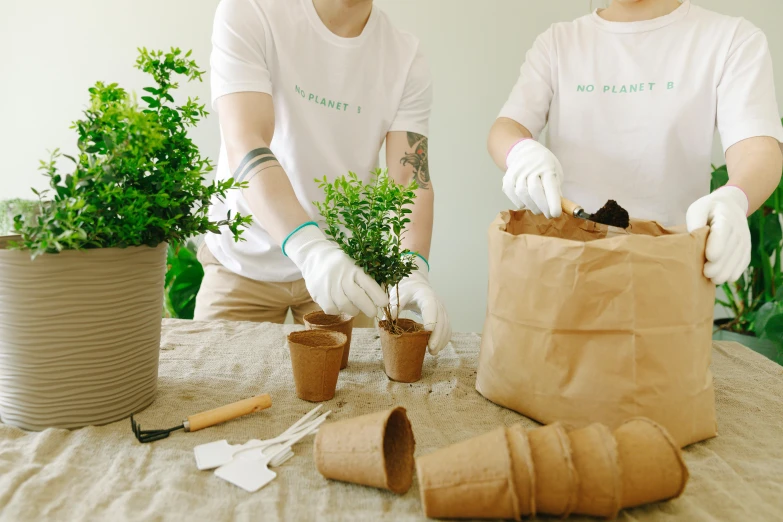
613, 215
403, 326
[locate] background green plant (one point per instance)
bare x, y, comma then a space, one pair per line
756, 299
9, 208
367, 221
183, 279
138, 177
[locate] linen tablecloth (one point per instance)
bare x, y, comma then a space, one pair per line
103, 473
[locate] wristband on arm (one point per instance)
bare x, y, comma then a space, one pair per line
297, 229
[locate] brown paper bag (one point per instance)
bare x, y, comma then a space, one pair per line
587, 323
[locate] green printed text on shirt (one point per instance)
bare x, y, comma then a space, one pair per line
625, 88
320, 100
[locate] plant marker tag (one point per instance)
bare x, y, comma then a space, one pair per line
214, 454
250, 468
250, 474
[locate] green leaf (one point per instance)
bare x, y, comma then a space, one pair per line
763, 315
152, 102
138, 178
774, 329
720, 176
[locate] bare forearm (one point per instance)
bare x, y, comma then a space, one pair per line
418, 237
755, 166
247, 122
407, 155
269, 193
503, 135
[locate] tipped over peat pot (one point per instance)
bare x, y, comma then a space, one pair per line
403, 352
511, 472
79, 334
373, 450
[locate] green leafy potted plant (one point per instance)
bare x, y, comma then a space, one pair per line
367, 221
81, 285
756, 299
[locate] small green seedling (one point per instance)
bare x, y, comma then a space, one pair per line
367, 221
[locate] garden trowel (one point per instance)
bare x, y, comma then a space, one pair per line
205, 419
610, 214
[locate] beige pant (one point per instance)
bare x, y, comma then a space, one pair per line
226, 295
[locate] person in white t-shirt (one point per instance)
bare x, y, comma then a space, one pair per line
305, 89
632, 95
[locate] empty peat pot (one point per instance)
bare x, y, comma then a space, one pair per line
372, 450
469, 479
342, 323
651, 463
403, 352
315, 357
512, 472
594, 454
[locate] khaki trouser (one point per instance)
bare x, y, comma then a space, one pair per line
229, 296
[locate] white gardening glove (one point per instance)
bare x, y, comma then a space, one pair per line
417, 295
334, 281
533, 177
728, 244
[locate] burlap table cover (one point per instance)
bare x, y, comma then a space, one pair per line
102, 473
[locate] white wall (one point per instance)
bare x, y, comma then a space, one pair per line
51, 51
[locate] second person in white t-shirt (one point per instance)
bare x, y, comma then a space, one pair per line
632, 95
305, 89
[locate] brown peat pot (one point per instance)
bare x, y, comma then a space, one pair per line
372, 450
315, 357
403, 353
342, 323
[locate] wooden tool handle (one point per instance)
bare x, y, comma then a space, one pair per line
569, 207
229, 411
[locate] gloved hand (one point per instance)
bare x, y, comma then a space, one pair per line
533, 177
417, 295
334, 281
728, 245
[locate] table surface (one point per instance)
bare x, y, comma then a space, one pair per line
102, 473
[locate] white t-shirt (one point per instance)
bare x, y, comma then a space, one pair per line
632, 107
334, 98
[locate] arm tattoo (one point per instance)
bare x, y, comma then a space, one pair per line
253, 174
418, 158
244, 169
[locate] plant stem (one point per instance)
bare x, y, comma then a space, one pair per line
398, 304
